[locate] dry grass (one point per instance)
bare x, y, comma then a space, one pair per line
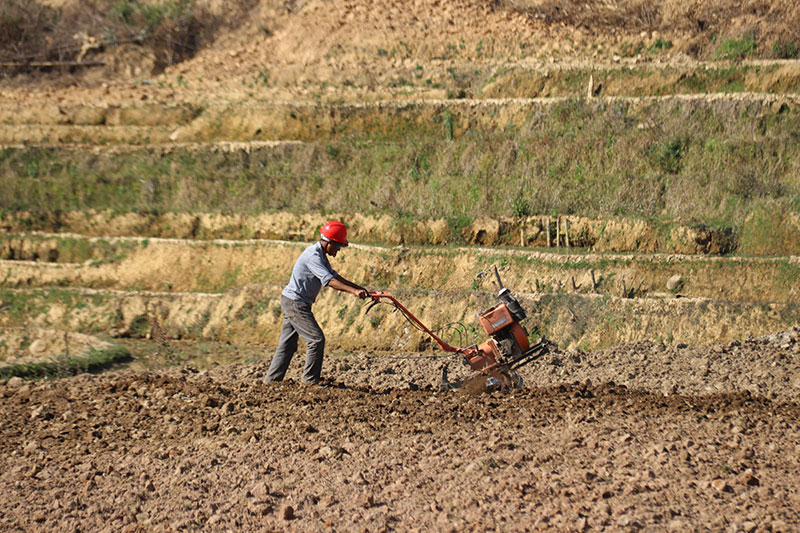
713, 163
635, 15
702, 26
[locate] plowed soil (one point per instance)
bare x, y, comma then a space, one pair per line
378, 447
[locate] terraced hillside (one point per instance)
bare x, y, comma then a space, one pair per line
635, 178
631, 168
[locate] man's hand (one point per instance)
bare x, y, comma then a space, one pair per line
341, 284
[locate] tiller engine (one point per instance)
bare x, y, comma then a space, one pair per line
507, 348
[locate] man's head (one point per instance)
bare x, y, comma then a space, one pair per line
333, 236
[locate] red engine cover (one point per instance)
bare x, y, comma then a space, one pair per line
495, 319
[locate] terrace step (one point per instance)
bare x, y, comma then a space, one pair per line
218, 265
251, 315
263, 121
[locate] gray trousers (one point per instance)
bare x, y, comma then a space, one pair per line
298, 321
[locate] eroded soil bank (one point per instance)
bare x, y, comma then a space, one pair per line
252, 316
601, 235
176, 265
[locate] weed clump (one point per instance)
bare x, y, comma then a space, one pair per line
785, 50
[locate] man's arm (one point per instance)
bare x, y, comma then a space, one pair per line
341, 284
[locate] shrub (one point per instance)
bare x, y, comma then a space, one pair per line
22, 25
668, 155
520, 207
172, 29
448, 124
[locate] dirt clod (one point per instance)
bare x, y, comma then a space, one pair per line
750, 480
720, 485
287, 512
367, 501
260, 490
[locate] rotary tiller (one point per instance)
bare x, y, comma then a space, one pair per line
507, 348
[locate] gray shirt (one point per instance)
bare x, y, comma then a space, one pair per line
311, 272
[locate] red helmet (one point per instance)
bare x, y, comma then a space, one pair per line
335, 232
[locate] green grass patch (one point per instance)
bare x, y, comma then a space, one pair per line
63, 249
22, 306
148, 16
19, 305
65, 366
737, 49
766, 230
660, 45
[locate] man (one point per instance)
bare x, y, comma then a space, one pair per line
311, 272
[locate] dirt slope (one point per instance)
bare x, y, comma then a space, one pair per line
352, 47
